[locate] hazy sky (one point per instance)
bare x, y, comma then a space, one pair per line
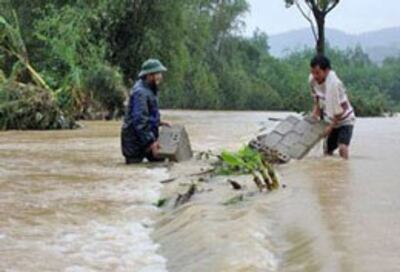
352, 16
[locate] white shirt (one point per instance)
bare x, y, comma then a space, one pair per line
331, 95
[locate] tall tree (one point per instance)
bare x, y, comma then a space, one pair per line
319, 9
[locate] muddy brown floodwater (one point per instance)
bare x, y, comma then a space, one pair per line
68, 203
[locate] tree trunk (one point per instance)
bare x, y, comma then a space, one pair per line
320, 18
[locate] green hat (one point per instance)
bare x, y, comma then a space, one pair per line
152, 66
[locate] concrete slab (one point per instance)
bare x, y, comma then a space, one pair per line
290, 138
292, 119
282, 151
293, 138
309, 138
298, 151
303, 126
271, 139
175, 143
284, 127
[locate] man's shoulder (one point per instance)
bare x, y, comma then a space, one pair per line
333, 78
139, 89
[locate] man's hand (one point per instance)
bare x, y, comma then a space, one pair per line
155, 148
315, 116
327, 131
316, 113
165, 123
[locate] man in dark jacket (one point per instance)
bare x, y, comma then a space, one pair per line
139, 135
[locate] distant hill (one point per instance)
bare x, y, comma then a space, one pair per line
378, 44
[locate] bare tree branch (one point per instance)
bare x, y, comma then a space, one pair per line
312, 4
332, 7
309, 5
308, 18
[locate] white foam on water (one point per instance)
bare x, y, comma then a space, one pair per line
106, 242
124, 245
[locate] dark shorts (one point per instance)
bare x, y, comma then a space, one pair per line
338, 136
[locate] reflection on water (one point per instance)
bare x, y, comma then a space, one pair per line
68, 203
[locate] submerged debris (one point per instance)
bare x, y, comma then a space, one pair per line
161, 202
258, 182
168, 180
204, 155
234, 200
235, 184
246, 161
183, 198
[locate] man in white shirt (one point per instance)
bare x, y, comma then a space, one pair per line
332, 105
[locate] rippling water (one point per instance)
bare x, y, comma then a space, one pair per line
68, 203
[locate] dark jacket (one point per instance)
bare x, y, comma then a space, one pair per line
141, 122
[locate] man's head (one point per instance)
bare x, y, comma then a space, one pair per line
152, 71
154, 79
320, 67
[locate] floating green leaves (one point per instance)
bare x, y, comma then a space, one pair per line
161, 202
248, 161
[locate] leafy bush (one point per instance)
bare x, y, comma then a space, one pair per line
2, 77
370, 102
105, 86
30, 107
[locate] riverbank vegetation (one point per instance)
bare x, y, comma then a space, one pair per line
86, 55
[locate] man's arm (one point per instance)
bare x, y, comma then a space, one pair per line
316, 113
336, 120
340, 102
338, 117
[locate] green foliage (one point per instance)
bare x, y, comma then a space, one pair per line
373, 89
13, 45
370, 102
73, 45
161, 202
2, 77
69, 50
105, 86
389, 79
249, 161
245, 161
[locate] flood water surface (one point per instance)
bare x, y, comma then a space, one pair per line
68, 203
